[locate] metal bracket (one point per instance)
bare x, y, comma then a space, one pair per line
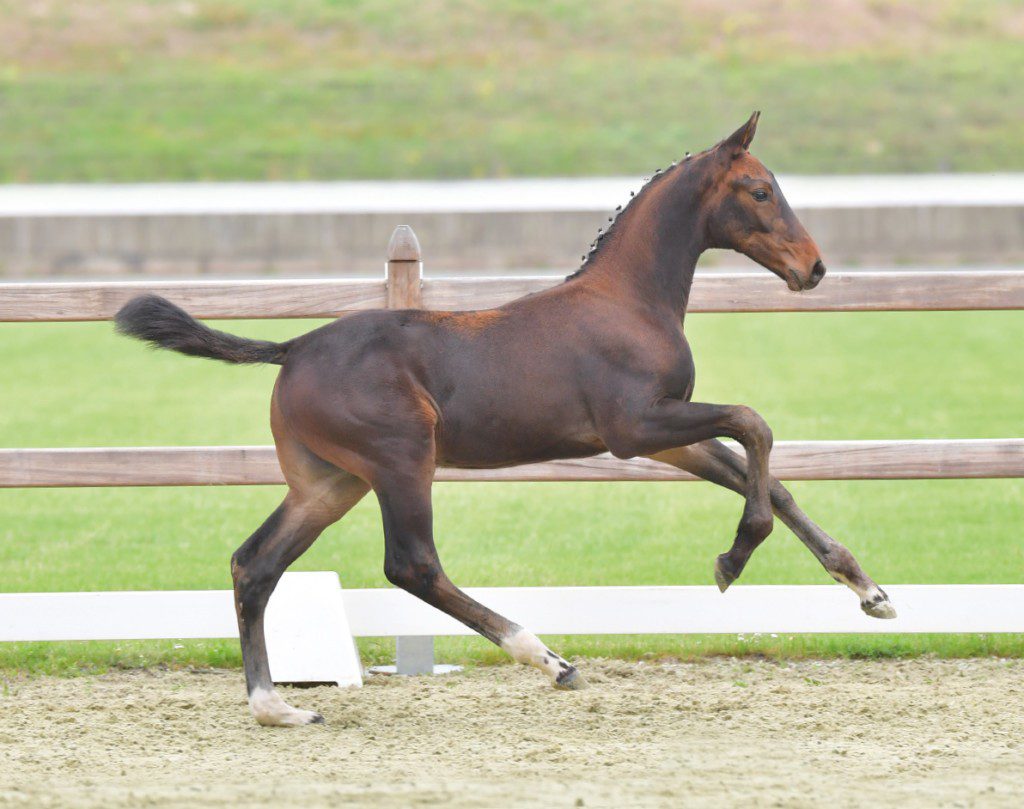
414, 654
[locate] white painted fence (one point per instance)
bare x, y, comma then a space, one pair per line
478, 196
311, 621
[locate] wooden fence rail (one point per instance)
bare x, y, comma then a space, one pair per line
404, 286
712, 292
791, 460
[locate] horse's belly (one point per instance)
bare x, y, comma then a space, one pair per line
486, 449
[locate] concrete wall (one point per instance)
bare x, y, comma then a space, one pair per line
67, 240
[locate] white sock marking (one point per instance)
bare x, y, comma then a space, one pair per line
269, 709
526, 648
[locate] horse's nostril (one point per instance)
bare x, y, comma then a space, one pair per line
818, 272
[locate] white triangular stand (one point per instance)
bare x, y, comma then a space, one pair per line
308, 635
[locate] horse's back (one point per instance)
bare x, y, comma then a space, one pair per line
487, 388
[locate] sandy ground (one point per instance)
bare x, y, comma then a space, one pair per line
914, 733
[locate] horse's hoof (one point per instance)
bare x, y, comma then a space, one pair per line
879, 607
271, 711
291, 719
723, 573
570, 680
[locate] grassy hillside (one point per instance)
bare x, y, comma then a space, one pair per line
812, 376
250, 89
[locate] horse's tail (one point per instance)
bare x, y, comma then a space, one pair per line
160, 323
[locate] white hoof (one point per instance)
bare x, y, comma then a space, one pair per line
570, 680
879, 607
526, 648
272, 711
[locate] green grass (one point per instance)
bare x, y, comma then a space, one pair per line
812, 376
240, 89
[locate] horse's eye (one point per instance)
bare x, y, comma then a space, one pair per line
760, 195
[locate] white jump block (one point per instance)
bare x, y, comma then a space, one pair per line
308, 636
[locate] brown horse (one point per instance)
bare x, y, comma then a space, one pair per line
379, 399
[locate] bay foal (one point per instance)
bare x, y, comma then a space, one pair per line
377, 400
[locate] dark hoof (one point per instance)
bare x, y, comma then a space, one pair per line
317, 719
724, 572
570, 680
879, 607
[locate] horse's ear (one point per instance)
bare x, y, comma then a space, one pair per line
741, 138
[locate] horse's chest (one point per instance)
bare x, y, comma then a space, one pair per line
668, 367
682, 376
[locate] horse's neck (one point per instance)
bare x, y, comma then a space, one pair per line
653, 253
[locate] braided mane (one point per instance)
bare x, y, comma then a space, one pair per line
613, 220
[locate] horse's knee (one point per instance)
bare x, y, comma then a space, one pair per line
748, 426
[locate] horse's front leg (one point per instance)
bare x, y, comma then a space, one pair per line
673, 423
715, 462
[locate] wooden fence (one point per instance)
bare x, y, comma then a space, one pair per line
405, 287
304, 639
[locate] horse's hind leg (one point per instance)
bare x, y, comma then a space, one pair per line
715, 462
411, 562
258, 565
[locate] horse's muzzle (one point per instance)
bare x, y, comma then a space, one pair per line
817, 273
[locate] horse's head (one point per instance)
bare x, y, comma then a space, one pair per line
747, 213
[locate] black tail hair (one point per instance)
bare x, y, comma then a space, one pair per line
160, 323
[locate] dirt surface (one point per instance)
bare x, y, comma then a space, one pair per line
912, 733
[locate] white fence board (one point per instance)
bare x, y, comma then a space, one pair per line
477, 196
701, 609
545, 610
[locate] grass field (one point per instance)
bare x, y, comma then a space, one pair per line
813, 376
249, 89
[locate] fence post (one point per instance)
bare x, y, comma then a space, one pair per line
404, 280
404, 273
